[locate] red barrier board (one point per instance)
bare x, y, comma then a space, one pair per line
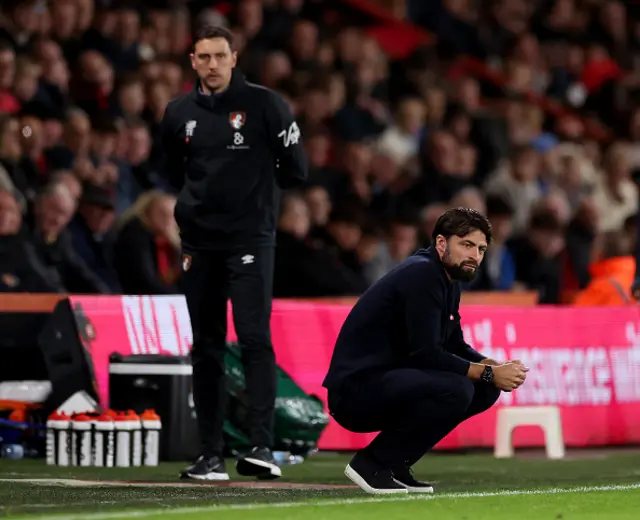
587, 361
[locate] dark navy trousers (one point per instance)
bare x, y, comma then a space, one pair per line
412, 409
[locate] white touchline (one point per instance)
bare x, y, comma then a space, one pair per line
322, 503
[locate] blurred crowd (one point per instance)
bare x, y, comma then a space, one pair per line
391, 144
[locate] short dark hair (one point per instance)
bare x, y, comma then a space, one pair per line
209, 32
461, 222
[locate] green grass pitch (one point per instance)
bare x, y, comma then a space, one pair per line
594, 485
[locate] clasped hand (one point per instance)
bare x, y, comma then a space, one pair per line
509, 375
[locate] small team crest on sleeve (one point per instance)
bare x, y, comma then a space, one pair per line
237, 120
186, 262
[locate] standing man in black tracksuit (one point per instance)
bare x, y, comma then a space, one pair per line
229, 146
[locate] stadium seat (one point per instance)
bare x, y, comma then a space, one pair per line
546, 417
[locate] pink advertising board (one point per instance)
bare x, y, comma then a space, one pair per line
586, 361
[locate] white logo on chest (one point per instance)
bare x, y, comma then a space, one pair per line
189, 127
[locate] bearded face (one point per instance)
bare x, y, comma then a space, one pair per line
462, 256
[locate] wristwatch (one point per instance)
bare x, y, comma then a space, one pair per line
487, 374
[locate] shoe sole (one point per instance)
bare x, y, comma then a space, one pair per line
355, 477
208, 476
263, 470
410, 489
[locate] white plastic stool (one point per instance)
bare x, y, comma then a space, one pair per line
547, 417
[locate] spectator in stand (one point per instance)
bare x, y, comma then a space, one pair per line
11, 153
498, 270
401, 139
517, 182
320, 207
93, 236
582, 236
400, 241
54, 208
304, 267
20, 268
147, 249
616, 195
612, 275
537, 255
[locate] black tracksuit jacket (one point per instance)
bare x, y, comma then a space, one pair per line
227, 155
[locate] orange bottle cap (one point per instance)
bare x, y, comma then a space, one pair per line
55, 416
150, 415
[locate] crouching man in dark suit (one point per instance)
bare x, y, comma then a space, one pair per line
401, 366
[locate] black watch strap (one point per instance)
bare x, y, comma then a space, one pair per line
487, 374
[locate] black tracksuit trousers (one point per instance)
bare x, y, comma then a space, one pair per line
209, 279
412, 409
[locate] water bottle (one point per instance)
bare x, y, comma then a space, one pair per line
151, 426
82, 449
58, 440
104, 441
12, 451
284, 457
50, 443
123, 429
136, 439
